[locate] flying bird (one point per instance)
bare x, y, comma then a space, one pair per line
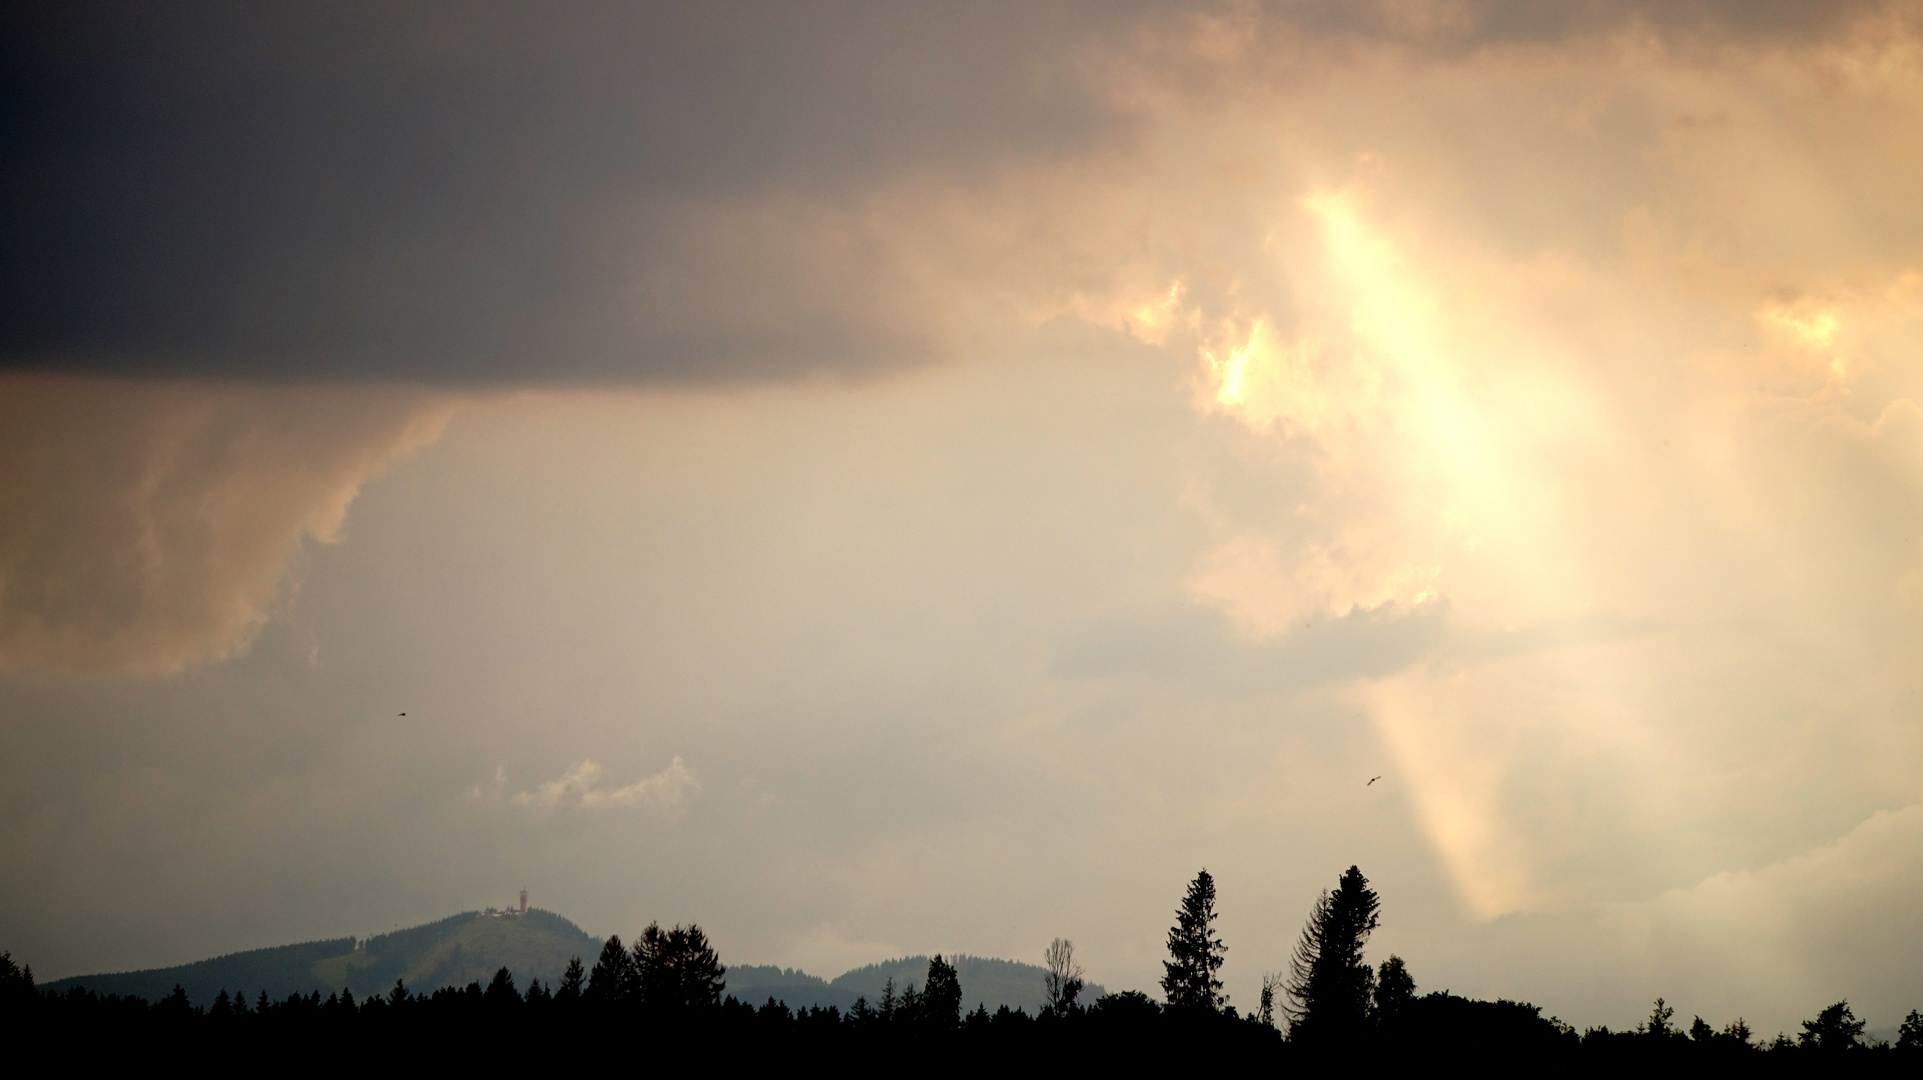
403, 714
1372, 779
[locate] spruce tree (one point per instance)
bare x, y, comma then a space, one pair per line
1195, 953
698, 973
677, 969
941, 997
572, 981
653, 982
1329, 981
612, 980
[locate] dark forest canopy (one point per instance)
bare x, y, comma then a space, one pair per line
670, 983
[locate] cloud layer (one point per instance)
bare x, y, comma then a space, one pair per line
146, 527
1519, 401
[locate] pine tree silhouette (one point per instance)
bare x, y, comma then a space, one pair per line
941, 997
1195, 953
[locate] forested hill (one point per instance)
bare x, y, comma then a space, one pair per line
472, 946
455, 951
984, 980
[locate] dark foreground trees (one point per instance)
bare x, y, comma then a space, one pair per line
662, 1001
666, 969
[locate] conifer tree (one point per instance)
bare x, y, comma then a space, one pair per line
612, 980
677, 969
699, 976
941, 997
652, 981
1329, 981
572, 980
1195, 953
16, 985
500, 992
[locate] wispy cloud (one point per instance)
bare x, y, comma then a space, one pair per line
582, 788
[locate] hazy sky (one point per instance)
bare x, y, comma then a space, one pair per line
889, 479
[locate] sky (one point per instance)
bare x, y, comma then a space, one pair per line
884, 479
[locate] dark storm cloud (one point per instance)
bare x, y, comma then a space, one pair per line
455, 192
495, 193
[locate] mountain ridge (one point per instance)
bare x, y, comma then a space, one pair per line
472, 945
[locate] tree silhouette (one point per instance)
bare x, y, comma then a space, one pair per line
1910, 1035
572, 981
1195, 953
1658, 1025
16, 984
613, 979
941, 997
500, 992
1062, 982
1271, 982
677, 969
1329, 981
1834, 1029
1395, 992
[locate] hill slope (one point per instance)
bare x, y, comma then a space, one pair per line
455, 951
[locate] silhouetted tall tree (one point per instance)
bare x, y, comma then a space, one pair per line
1062, 980
1195, 953
1329, 980
613, 979
941, 996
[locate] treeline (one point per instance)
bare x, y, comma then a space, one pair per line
669, 988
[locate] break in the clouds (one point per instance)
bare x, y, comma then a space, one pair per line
1516, 400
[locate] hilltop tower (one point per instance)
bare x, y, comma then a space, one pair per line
524, 901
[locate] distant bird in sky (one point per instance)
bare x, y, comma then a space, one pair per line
1372, 779
403, 714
